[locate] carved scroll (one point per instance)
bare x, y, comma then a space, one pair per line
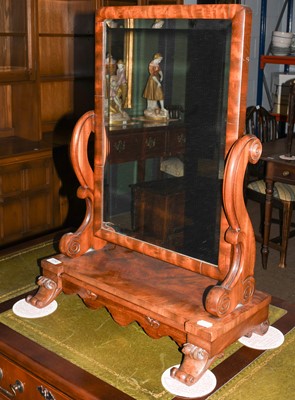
239, 284
76, 244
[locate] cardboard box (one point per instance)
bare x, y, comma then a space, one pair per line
280, 92
280, 83
279, 108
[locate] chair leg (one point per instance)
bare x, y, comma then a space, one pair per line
262, 213
287, 216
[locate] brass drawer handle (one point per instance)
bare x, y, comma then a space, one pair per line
181, 139
153, 322
150, 142
120, 146
18, 386
45, 393
286, 173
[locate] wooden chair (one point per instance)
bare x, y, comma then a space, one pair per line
261, 123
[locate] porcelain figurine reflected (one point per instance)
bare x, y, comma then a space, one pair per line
118, 95
158, 24
153, 91
110, 64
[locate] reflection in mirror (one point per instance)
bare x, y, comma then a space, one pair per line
166, 124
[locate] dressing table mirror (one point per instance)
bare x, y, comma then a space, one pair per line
166, 240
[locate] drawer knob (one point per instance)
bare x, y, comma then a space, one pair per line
18, 386
286, 173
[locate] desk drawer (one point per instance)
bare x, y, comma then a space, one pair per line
30, 387
283, 173
176, 142
124, 148
153, 144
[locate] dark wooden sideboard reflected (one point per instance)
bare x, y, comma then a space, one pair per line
156, 186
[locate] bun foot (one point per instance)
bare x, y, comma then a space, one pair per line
187, 379
195, 363
47, 292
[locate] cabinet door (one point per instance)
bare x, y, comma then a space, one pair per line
27, 199
66, 62
18, 95
38, 204
15, 40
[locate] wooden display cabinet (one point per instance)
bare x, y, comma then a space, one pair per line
48, 59
66, 62
46, 84
203, 296
17, 69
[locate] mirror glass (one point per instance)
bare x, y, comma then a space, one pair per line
166, 89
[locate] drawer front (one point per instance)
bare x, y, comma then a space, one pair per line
176, 142
282, 173
154, 144
124, 148
285, 174
16, 380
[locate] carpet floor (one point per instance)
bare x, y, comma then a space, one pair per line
274, 280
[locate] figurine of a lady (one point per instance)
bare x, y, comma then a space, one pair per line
117, 95
153, 91
122, 81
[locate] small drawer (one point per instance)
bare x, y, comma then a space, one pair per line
285, 174
15, 382
176, 142
153, 144
124, 148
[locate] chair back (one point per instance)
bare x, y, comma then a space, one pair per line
291, 117
261, 123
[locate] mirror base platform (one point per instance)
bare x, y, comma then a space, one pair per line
164, 299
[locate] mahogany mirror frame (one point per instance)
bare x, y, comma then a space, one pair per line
99, 233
